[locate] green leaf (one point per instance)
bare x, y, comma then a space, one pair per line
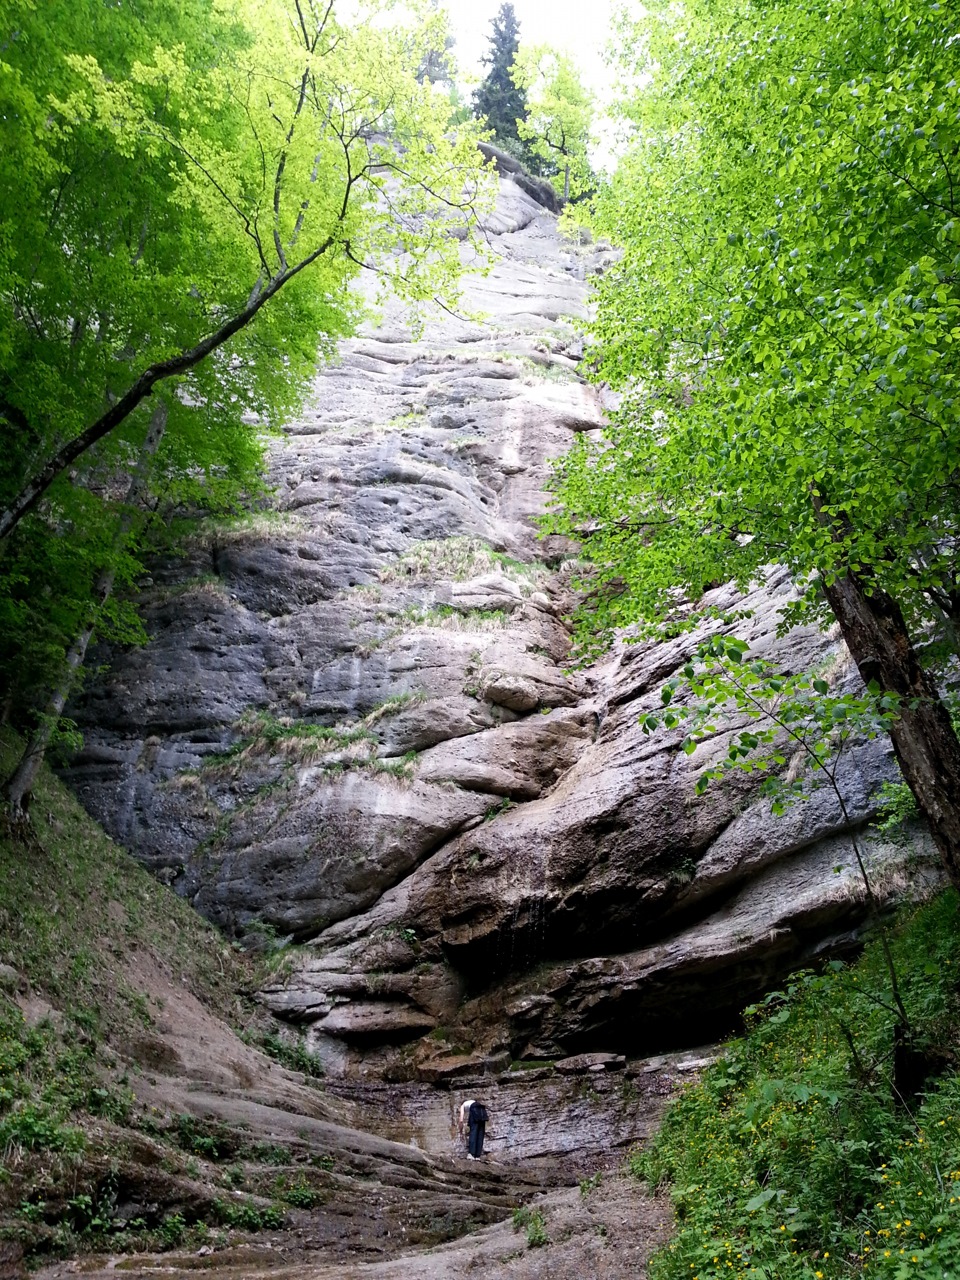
781, 329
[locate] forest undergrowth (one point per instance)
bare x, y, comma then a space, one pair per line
77, 916
826, 1142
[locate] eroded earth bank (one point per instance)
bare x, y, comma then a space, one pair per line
356, 739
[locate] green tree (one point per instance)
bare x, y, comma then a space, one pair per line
559, 117
187, 191
783, 326
499, 101
172, 176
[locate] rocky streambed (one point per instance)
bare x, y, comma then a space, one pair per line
356, 736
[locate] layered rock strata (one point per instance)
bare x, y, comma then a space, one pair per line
355, 728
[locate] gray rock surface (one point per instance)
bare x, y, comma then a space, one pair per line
355, 727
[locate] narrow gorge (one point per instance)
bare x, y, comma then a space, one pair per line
356, 729
357, 741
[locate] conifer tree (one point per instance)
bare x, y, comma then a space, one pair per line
499, 100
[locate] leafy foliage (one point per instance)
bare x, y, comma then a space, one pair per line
298, 1193
559, 117
896, 806
47, 589
783, 323
781, 712
289, 1053
259, 152
249, 1216
534, 1223
793, 1157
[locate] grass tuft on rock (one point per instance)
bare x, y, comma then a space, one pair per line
457, 559
826, 1142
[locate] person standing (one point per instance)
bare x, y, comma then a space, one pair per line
473, 1118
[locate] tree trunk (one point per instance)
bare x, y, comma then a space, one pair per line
566, 183
20, 786
926, 746
18, 789
34, 489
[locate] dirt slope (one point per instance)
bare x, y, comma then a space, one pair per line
141, 1133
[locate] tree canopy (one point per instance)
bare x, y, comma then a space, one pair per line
172, 175
556, 128
783, 329
499, 100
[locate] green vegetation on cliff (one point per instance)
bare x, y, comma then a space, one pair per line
822, 1146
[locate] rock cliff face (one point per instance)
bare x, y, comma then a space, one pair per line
354, 727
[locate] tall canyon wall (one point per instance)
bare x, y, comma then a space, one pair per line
355, 727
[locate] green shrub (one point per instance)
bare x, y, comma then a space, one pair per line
897, 805
300, 1193
794, 1157
293, 1055
38, 1128
248, 1216
172, 1230
534, 1223
202, 1144
88, 1215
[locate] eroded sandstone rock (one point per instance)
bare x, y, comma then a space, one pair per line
355, 725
